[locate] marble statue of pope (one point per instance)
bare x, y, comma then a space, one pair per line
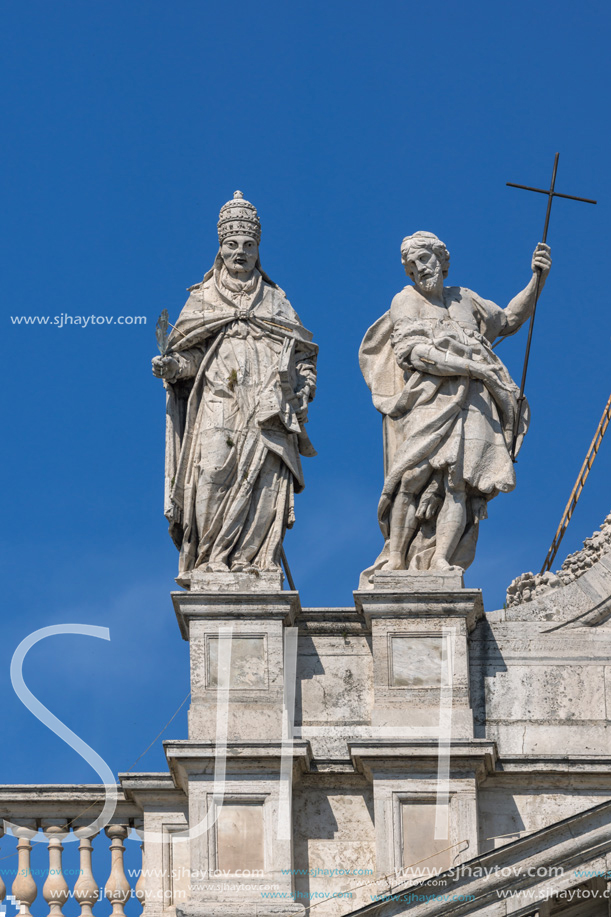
449, 407
240, 371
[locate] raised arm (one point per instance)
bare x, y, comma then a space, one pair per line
521, 306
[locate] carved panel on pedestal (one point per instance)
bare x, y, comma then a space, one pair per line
415, 661
248, 668
240, 838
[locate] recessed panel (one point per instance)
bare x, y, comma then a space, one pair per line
422, 851
248, 667
239, 835
416, 662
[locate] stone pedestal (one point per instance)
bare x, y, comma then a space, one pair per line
165, 877
422, 759
420, 654
248, 627
425, 801
238, 765
240, 838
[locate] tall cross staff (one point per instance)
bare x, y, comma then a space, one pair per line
551, 194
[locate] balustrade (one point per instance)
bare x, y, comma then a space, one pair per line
55, 890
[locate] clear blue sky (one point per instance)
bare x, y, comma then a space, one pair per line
349, 125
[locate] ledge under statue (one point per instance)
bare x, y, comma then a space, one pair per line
450, 410
240, 371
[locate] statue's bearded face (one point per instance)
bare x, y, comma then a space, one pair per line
424, 267
240, 254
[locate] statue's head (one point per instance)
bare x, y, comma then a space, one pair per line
239, 231
425, 259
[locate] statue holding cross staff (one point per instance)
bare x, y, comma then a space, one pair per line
450, 409
454, 419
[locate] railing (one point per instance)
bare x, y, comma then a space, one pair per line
50, 817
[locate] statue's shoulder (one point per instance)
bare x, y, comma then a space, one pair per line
206, 284
454, 294
278, 303
204, 291
469, 297
275, 293
405, 304
490, 317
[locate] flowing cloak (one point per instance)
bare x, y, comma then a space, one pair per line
242, 366
449, 424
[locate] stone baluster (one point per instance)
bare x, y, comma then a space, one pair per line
2, 885
55, 890
24, 887
140, 889
117, 888
86, 890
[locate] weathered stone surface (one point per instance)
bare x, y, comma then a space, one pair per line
415, 581
334, 680
507, 743
334, 842
255, 581
538, 690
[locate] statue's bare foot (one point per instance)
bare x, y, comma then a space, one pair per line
444, 566
217, 567
395, 562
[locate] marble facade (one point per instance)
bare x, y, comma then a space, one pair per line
428, 737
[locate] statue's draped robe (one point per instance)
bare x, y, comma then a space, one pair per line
452, 425
233, 440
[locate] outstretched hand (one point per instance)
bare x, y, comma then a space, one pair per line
542, 259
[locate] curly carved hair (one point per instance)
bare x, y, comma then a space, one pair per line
422, 239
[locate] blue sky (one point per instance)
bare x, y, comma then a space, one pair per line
126, 127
